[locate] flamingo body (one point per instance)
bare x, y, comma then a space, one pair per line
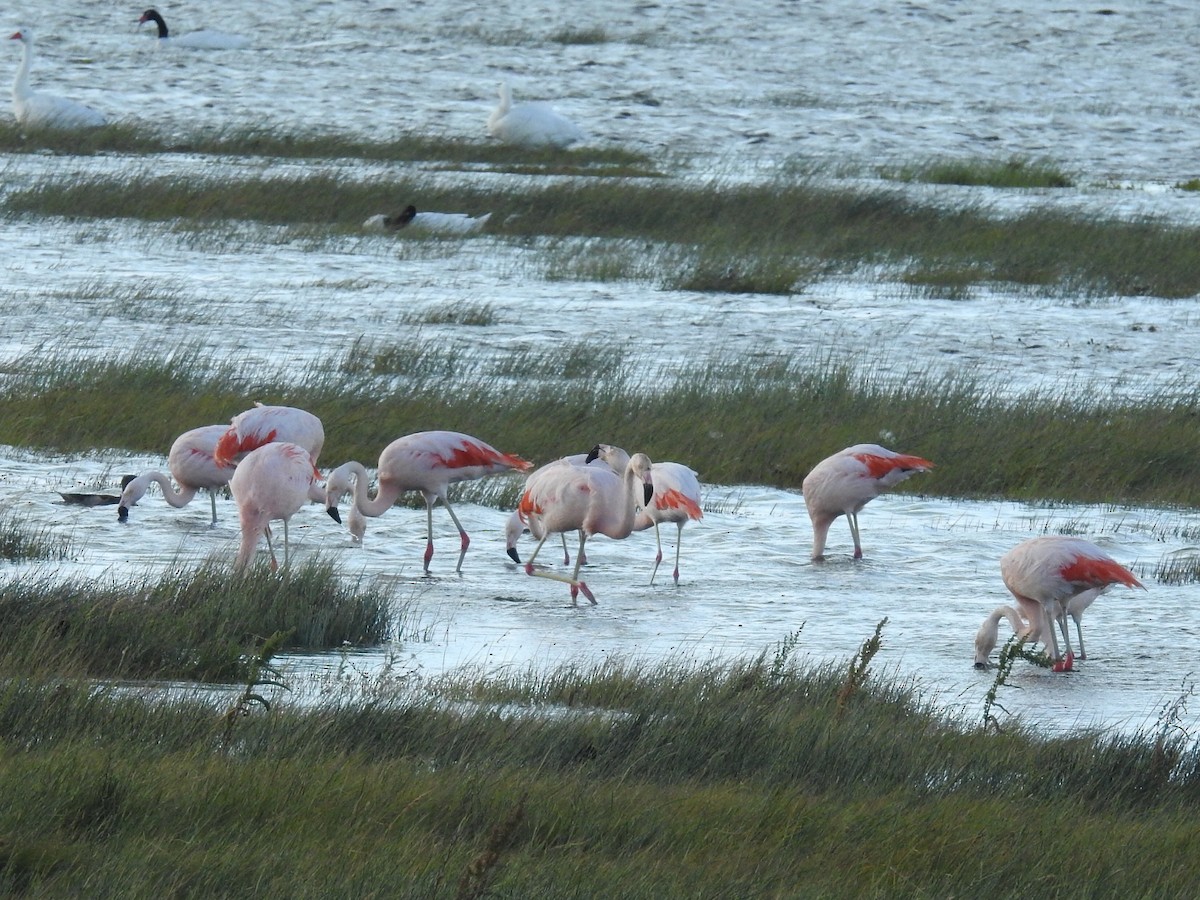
428, 222
193, 40
531, 125
588, 499
194, 468
516, 525
1050, 572
260, 425
426, 461
271, 482
34, 109
844, 483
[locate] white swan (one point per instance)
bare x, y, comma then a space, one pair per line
530, 124
429, 222
195, 40
37, 110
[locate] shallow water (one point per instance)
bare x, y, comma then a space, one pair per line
841, 85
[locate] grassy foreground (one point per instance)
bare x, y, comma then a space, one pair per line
758, 778
764, 422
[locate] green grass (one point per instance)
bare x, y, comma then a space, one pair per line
736, 421
768, 238
748, 779
1006, 173
194, 623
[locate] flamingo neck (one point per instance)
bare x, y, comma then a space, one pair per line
385, 497
178, 498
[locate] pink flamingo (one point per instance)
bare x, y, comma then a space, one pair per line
844, 483
676, 499
262, 425
587, 499
272, 482
1050, 572
516, 525
1027, 623
192, 464
429, 462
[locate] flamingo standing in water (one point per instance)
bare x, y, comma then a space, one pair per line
676, 499
192, 464
531, 124
429, 462
34, 109
1050, 572
272, 482
260, 425
1027, 622
844, 483
516, 525
588, 499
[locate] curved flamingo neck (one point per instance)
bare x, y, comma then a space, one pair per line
177, 497
385, 497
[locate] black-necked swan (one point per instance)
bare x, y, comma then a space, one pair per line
196, 40
34, 109
531, 124
429, 222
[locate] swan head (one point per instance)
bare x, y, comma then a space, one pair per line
151, 15
401, 219
23, 34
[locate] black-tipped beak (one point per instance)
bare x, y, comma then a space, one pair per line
648, 490
334, 514
593, 455
514, 556
122, 513
982, 665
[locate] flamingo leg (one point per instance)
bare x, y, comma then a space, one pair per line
464, 540
566, 553
212, 497
572, 580
852, 519
274, 561
658, 558
286, 566
1079, 632
428, 533
678, 547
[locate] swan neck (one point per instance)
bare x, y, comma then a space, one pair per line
21, 83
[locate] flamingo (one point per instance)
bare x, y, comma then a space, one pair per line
588, 499
37, 110
516, 525
676, 499
1027, 622
429, 462
428, 222
844, 483
272, 482
530, 124
1053, 570
192, 464
194, 40
262, 425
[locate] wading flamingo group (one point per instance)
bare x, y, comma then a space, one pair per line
587, 499
429, 462
844, 483
193, 40
272, 482
34, 109
260, 425
1027, 623
530, 125
191, 462
1049, 572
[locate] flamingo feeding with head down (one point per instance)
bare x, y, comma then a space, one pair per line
1027, 622
676, 499
516, 525
531, 125
1052, 570
588, 499
34, 109
193, 40
429, 462
191, 462
272, 482
260, 425
844, 483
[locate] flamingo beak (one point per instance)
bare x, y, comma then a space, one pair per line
593, 455
334, 514
122, 513
648, 490
513, 555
